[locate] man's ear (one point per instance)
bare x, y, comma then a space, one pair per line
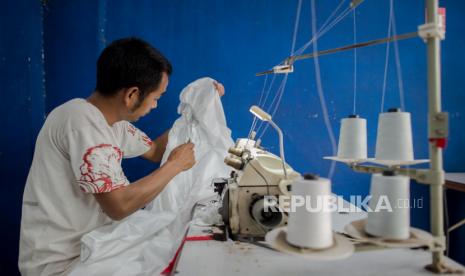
131, 96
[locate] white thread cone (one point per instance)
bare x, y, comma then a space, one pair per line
353, 138
389, 192
310, 229
394, 137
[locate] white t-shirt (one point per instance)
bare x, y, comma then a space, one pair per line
77, 153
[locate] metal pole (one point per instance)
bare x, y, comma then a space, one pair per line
435, 153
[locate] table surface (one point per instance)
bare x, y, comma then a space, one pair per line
458, 177
455, 181
239, 258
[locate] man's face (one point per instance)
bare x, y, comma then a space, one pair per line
151, 100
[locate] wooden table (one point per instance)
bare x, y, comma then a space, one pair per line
455, 181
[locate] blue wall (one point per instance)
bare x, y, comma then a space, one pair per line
229, 41
22, 108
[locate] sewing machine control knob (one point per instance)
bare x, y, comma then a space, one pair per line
234, 162
236, 151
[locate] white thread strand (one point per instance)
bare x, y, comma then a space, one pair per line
296, 25
355, 66
268, 90
396, 52
263, 91
324, 29
321, 94
279, 93
266, 98
386, 64
335, 22
254, 121
277, 97
304, 47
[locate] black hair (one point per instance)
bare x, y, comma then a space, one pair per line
130, 62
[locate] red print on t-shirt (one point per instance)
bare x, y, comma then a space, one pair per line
131, 129
101, 169
146, 140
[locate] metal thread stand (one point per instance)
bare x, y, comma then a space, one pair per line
432, 33
435, 153
437, 133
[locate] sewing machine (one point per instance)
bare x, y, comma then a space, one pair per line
257, 174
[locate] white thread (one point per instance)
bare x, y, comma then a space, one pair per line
264, 102
254, 122
355, 66
279, 93
396, 52
277, 97
296, 25
386, 64
321, 94
305, 46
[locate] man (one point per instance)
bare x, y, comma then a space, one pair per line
76, 183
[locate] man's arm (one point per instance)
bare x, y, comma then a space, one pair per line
155, 153
122, 202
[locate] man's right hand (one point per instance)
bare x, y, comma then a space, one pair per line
183, 156
124, 201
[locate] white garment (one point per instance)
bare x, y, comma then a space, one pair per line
204, 123
152, 236
77, 153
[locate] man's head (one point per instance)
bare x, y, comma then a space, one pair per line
134, 72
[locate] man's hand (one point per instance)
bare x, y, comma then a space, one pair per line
219, 87
183, 157
124, 201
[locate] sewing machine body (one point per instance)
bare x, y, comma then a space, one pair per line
257, 173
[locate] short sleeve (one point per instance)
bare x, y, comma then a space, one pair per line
95, 160
133, 141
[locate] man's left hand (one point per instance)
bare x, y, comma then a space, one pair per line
219, 87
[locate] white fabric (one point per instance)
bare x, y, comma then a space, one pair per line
204, 123
77, 153
145, 242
